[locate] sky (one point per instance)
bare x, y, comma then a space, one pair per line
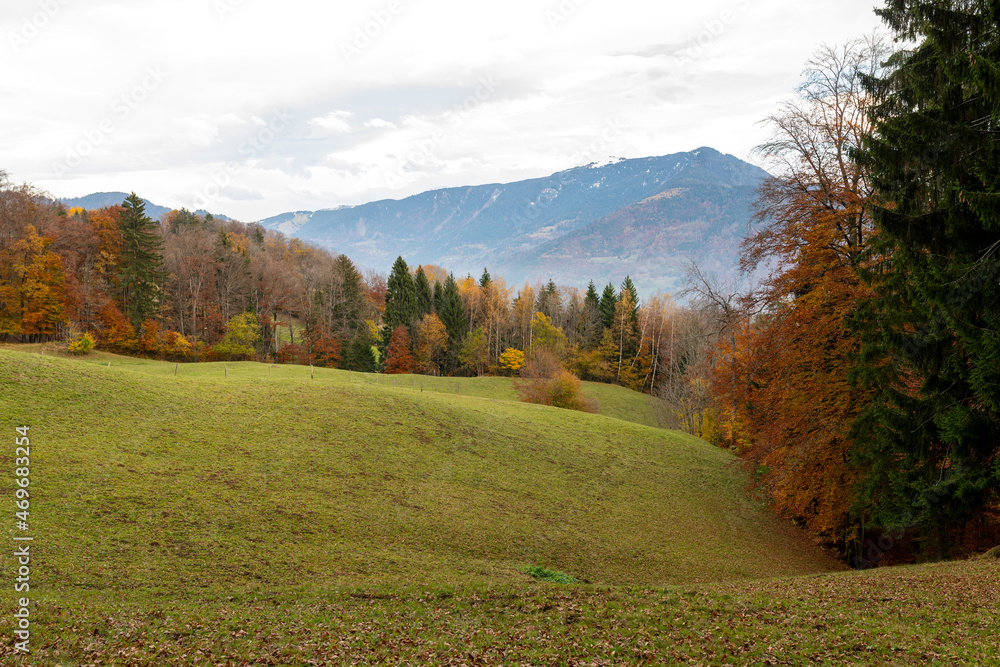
251, 108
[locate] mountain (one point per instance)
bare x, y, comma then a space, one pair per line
644, 217
102, 199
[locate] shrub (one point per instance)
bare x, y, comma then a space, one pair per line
83, 345
565, 391
545, 382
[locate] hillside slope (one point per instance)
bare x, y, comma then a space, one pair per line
225, 478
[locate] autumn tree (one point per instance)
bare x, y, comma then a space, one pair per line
783, 369
474, 353
324, 348
431, 340
241, 339
623, 330
512, 360
398, 357
32, 289
546, 336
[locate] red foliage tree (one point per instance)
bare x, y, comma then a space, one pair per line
399, 357
324, 348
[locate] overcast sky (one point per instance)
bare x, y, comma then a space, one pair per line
251, 108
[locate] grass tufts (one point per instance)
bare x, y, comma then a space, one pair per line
545, 574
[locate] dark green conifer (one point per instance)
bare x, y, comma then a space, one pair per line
400, 297
140, 272
425, 298
929, 442
609, 299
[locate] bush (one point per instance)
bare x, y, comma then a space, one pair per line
83, 345
545, 382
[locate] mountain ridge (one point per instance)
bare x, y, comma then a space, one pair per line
530, 230
644, 217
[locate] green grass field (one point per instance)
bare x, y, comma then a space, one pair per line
246, 514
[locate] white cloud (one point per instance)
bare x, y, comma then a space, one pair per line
380, 124
669, 76
335, 122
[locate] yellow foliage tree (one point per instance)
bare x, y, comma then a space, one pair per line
512, 360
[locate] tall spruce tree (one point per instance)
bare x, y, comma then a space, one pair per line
400, 297
348, 310
140, 271
609, 299
629, 286
438, 296
929, 443
592, 324
452, 311
425, 298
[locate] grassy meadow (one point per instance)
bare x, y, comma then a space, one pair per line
244, 514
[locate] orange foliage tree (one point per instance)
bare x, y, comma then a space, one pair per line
32, 288
783, 374
399, 358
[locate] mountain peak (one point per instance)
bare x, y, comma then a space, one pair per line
556, 225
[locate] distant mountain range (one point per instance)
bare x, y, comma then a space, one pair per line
102, 199
645, 217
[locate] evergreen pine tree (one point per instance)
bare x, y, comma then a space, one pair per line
400, 297
348, 310
484, 280
140, 272
438, 296
425, 298
929, 442
592, 324
452, 312
629, 286
609, 299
